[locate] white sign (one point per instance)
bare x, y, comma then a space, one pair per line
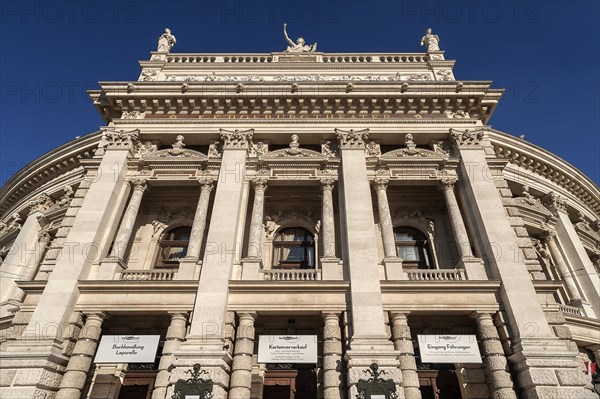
449, 348
127, 349
287, 349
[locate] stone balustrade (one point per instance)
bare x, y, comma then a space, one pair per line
291, 275
267, 58
148, 275
436, 275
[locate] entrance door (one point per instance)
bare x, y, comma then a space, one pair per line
439, 384
290, 384
134, 392
276, 392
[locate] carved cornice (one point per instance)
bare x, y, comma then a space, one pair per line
233, 139
527, 159
352, 139
467, 138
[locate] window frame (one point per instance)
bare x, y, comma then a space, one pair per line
422, 246
306, 244
165, 245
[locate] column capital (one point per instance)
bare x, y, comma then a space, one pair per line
352, 139
121, 139
467, 138
250, 316
44, 237
206, 183
446, 183
139, 184
331, 315
554, 202
235, 139
381, 183
327, 183
479, 315
547, 235
260, 183
42, 203
178, 315
394, 315
98, 316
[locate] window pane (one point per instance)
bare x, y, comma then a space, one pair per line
175, 253
408, 253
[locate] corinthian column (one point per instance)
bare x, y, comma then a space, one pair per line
393, 264
499, 382
256, 221
251, 264
34, 262
175, 334
241, 378
128, 221
474, 267
332, 356
199, 224
81, 360
403, 343
187, 265
330, 264
385, 218
550, 238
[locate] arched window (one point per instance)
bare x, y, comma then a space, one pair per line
294, 247
173, 246
413, 247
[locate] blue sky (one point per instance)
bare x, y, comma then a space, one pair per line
544, 53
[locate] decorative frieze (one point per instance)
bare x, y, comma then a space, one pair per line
397, 77
352, 139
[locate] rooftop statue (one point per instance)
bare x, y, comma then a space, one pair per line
431, 41
166, 41
299, 46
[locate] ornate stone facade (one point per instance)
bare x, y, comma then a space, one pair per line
239, 201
